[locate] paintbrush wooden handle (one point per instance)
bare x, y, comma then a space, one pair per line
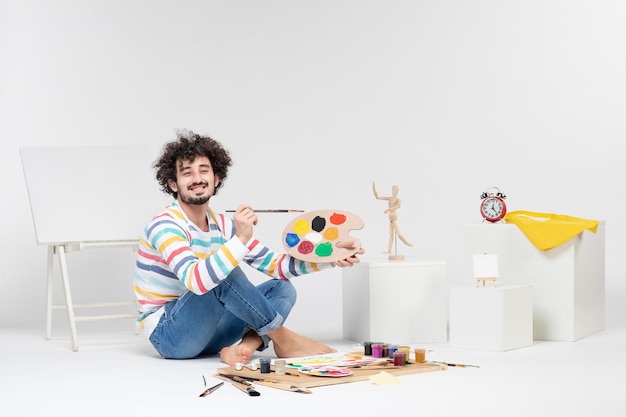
243, 387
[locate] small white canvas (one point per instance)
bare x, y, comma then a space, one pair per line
486, 265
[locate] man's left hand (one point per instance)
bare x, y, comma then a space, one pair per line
354, 259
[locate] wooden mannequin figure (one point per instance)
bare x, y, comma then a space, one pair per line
394, 204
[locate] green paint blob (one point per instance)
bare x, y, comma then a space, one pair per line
324, 249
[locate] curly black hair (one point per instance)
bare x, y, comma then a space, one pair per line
187, 147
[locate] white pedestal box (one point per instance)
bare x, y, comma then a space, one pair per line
491, 318
400, 301
567, 281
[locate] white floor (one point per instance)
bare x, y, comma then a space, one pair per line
116, 371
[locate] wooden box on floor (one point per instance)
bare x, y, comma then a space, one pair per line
404, 301
491, 318
567, 281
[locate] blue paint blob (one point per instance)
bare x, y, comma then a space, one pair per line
292, 239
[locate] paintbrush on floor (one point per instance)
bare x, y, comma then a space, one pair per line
247, 388
268, 382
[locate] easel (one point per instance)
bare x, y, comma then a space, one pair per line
483, 280
88, 197
486, 268
59, 251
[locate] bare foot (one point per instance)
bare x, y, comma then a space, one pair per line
232, 355
289, 344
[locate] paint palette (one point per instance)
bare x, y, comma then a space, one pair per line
330, 371
312, 236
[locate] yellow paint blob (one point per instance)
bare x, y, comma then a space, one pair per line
331, 233
301, 227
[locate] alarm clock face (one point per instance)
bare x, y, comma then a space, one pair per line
493, 209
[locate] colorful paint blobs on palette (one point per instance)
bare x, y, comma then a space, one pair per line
313, 236
331, 359
332, 371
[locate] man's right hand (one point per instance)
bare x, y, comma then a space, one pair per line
245, 219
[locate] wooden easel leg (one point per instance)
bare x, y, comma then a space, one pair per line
49, 290
68, 296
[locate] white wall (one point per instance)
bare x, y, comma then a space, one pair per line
318, 99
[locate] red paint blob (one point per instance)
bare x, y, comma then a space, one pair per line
338, 218
305, 247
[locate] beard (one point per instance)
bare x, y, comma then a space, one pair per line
190, 198
195, 200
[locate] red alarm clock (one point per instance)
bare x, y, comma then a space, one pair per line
492, 206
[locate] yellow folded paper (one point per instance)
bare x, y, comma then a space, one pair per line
547, 230
384, 378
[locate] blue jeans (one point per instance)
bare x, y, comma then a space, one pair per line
199, 325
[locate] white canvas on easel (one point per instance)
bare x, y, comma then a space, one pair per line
486, 268
89, 197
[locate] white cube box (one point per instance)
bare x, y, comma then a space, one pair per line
400, 301
491, 318
567, 281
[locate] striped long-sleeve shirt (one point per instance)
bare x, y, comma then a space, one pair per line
175, 256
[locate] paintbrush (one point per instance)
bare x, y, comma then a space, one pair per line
248, 389
462, 365
244, 379
458, 365
268, 382
211, 389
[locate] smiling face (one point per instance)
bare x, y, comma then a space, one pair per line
195, 181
